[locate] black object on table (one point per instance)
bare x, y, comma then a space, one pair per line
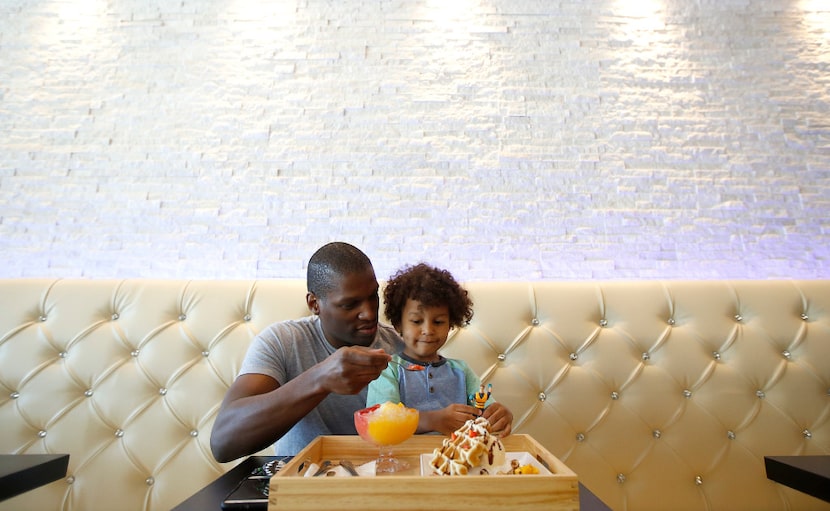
809, 474
23, 472
211, 496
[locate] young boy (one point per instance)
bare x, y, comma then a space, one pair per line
424, 303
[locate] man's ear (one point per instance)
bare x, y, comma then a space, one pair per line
313, 303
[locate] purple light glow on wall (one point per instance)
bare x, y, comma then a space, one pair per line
503, 140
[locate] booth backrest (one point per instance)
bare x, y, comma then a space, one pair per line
661, 395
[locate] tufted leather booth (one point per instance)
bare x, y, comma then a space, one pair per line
660, 395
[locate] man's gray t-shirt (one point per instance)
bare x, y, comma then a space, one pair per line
286, 349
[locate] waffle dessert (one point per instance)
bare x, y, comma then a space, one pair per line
472, 445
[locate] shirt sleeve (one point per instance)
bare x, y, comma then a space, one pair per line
265, 355
384, 388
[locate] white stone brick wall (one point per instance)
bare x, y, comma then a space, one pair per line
572, 139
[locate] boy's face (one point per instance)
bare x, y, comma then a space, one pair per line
424, 330
349, 312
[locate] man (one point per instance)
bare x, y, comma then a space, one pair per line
307, 377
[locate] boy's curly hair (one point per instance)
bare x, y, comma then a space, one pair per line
432, 287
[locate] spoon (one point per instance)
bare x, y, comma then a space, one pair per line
409, 367
348, 466
324, 467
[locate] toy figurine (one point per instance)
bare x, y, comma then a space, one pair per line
480, 398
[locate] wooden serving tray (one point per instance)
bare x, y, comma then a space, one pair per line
410, 491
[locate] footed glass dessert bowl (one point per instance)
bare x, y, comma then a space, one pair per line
385, 426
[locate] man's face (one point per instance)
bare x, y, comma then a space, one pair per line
349, 312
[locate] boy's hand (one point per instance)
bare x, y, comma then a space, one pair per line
447, 420
501, 419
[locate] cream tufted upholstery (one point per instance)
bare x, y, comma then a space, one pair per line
660, 395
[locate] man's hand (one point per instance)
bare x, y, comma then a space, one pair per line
350, 369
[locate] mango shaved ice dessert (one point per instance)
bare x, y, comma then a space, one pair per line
386, 424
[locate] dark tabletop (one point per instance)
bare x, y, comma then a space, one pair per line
23, 472
809, 474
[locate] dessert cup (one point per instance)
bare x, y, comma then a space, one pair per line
385, 426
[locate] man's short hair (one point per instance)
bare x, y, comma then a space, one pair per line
331, 261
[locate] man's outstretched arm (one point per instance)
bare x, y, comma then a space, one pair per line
257, 411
